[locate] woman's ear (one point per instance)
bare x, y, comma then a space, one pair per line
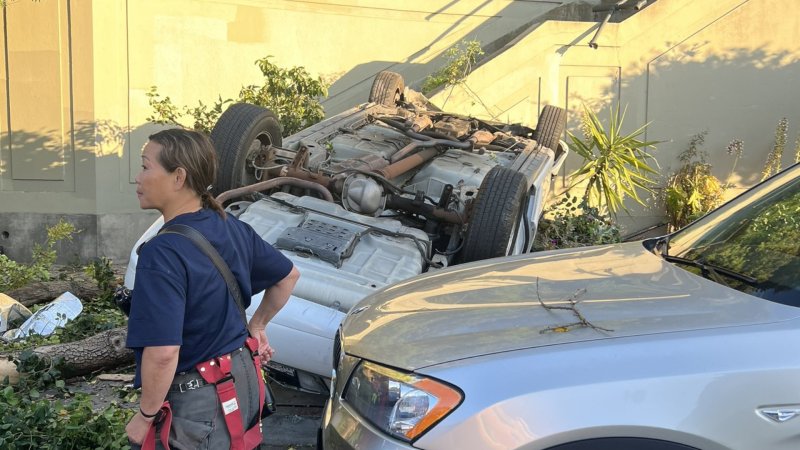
179, 178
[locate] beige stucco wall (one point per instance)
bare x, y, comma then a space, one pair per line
729, 67
73, 107
79, 71
72, 89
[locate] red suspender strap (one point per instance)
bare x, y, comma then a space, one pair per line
165, 416
217, 371
254, 436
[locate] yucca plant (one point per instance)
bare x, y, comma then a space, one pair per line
615, 165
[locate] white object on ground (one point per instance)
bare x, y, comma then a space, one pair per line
55, 315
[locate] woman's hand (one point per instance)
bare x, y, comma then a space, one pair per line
264, 349
137, 428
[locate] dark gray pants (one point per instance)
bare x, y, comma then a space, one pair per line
197, 418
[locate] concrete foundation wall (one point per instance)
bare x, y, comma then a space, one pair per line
96, 235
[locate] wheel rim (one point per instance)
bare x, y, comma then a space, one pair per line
258, 155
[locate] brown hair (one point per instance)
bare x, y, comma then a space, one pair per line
195, 153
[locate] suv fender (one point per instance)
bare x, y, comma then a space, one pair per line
622, 443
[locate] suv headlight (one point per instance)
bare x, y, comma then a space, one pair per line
401, 404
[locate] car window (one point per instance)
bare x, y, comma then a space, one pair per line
759, 241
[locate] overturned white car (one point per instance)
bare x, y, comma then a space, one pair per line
375, 195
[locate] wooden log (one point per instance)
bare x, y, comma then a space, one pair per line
63, 280
105, 350
45, 291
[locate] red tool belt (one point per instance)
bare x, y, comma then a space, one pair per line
217, 371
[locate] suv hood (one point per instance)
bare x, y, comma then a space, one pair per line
494, 306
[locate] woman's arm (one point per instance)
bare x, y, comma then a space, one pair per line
274, 299
158, 369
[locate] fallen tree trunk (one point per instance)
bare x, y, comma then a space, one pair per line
81, 286
105, 350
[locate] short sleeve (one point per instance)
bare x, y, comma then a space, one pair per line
269, 265
159, 297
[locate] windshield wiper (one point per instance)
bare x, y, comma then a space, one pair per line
712, 270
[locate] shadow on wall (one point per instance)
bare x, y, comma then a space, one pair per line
107, 145
352, 87
736, 94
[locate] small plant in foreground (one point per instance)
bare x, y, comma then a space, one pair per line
14, 275
572, 222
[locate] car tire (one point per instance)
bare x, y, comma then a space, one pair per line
241, 137
497, 214
551, 126
387, 88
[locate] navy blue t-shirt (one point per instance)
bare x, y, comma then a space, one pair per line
180, 298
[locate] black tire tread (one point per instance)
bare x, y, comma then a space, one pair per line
495, 214
384, 87
230, 137
551, 126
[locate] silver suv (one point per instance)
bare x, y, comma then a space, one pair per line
680, 342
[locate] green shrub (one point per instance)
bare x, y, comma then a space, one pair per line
572, 222
693, 191
461, 58
14, 275
292, 94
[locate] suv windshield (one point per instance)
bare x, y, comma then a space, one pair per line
753, 245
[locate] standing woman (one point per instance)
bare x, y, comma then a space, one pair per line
182, 313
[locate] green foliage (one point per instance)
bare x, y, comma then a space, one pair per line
461, 58
100, 269
773, 164
40, 413
693, 190
614, 164
97, 316
165, 112
31, 420
764, 245
14, 274
292, 94
572, 222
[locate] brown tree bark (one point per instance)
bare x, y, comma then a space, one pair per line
81, 286
105, 350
